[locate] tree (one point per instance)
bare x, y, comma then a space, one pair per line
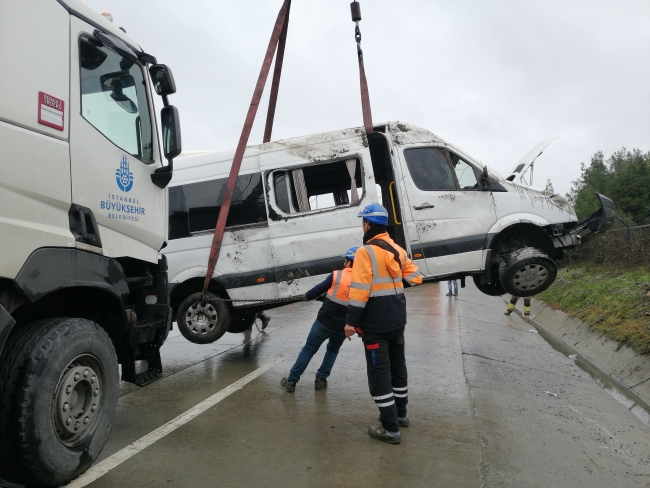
624, 177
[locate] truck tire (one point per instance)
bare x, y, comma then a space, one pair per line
202, 322
59, 392
242, 323
527, 272
491, 289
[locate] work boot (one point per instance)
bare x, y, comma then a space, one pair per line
507, 312
382, 434
320, 384
265, 319
527, 317
449, 294
289, 386
455, 293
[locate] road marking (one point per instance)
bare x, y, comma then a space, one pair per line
131, 450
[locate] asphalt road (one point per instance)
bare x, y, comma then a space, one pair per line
491, 404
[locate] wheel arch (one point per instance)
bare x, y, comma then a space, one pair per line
521, 234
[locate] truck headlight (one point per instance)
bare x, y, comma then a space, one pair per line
563, 204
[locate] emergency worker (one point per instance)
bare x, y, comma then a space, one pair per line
377, 312
511, 306
329, 325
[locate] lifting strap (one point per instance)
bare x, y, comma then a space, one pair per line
355, 8
281, 25
277, 42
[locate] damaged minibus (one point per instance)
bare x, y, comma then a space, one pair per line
294, 213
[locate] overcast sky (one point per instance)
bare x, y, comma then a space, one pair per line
492, 77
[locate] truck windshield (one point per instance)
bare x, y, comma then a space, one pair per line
114, 98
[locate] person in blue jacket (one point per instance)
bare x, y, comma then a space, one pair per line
328, 326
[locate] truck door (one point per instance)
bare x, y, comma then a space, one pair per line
113, 151
450, 212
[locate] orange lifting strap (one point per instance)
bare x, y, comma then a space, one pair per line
278, 41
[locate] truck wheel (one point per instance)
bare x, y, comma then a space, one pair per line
60, 383
202, 322
527, 272
491, 289
242, 323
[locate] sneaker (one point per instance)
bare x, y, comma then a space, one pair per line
449, 294
265, 320
382, 434
456, 294
289, 386
320, 384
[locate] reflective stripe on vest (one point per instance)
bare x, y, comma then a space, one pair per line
396, 288
339, 292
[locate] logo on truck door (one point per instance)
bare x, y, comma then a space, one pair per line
123, 176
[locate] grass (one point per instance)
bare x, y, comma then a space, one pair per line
614, 303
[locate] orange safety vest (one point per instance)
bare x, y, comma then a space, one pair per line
339, 292
379, 274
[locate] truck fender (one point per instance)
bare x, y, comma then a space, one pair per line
50, 269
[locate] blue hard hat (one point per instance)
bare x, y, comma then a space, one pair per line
350, 253
375, 213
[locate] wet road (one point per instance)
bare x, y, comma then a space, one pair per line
490, 405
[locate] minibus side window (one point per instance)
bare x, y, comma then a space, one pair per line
198, 204
465, 173
430, 168
318, 187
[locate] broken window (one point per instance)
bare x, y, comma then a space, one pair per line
318, 187
195, 207
464, 173
430, 168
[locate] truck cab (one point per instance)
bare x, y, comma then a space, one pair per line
83, 288
295, 211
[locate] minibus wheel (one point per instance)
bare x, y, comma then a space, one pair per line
527, 272
491, 289
241, 323
203, 320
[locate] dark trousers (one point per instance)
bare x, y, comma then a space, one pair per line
387, 375
515, 299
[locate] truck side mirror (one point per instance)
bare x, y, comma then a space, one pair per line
171, 132
163, 80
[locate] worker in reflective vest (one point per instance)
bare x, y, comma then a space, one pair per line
377, 311
328, 326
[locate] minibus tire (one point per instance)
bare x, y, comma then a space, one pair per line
242, 323
211, 309
490, 289
527, 272
58, 359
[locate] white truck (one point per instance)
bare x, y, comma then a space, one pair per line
294, 213
83, 288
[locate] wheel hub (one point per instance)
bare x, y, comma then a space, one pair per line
530, 277
77, 402
201, 318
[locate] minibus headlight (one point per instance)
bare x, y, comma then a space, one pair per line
563, 204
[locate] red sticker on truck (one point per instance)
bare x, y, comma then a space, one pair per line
50, 111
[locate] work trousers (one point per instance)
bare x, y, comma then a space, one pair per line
317, 335
387, 375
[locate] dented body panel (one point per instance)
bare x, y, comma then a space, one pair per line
447, 231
